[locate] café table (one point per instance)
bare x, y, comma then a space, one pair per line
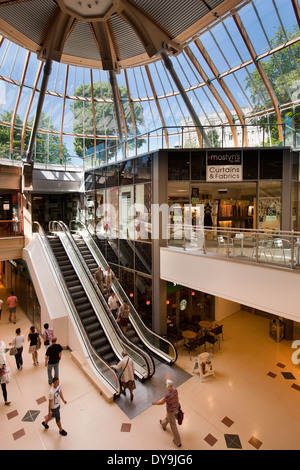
188, 334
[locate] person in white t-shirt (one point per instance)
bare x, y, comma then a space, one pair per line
113, 304
17, 342
54, 406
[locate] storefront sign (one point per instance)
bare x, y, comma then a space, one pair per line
224, 165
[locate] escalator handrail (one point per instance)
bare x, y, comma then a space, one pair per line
134, 314
118, 328
69, 300
133, 351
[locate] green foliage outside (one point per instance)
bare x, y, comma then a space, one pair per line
285, 80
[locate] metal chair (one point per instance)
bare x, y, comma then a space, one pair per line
283, 248
224, 242
212, 339
191, 346
217, 330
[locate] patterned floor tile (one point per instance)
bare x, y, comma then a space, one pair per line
227, 421
41, 400
211, 440
255, 442
271, 374
233, 441
279, 364
126, 427
288, 375
18, 434
296, 387
31, 416
12, 414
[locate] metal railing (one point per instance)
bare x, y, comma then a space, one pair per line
273, 247
170, 137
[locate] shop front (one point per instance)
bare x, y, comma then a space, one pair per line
239, 189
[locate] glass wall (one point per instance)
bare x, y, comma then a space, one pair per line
118, 203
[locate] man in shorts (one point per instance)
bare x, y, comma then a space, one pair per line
54, 406
12, 307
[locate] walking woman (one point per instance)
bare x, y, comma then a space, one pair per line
4, 379
33, 337
17, 343
172, 405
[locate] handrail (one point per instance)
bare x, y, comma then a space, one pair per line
158, 345
165, 137
141, 362
251, 245
108, 374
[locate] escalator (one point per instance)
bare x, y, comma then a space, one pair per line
103, 344
87, 315
92, 266
137, 331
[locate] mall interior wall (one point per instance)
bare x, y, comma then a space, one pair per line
260, 286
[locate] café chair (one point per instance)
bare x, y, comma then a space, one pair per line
190, 346
223, 242
200, 341
217, 330
212, 339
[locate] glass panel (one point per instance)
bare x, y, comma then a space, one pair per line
250, 164
253, 28
271, 164
179, 166
144, 299
269, 207
126, 254
143, 200
127, 212
143, 169
143, 257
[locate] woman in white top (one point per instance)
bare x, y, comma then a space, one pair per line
2, 352
17, 342
127, 376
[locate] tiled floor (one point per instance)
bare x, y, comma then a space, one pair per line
252, 403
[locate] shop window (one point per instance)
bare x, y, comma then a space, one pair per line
270, 205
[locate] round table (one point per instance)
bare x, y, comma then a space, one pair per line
205, 324
188, 334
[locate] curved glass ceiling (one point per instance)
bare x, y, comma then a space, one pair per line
243, 70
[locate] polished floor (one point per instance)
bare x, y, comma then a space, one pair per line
252, 403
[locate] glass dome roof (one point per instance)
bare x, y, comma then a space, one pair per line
241, 69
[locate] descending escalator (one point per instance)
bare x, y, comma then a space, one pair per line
92, 265
138, 333
88, 317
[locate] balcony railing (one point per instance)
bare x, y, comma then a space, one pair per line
276, 248
172, 137
10, 228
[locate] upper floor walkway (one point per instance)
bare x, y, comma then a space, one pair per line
269, 247
112, 150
